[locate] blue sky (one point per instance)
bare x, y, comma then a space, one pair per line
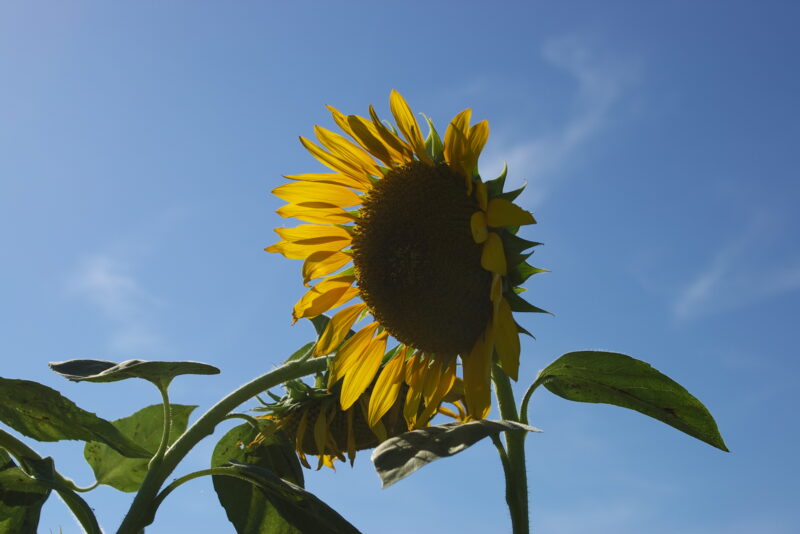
139, 143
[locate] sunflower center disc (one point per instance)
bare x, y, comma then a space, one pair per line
418, 268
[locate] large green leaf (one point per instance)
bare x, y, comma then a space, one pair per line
146, 428
398, 457
159, 373
299, 508
21, 498
612, 378
42, 413
248, 509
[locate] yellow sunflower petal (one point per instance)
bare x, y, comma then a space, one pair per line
323, 263
477, 377
301, 434
321, 433
337, 329
308, 232
443, 385
315, 212
493, 257
477, 224
358, 379
496, 291
390, 139
325, 295
350, 353
456, 142
481, 195
335, 162
386, 389
478, 135
408, 125
332, 178
432, 375
300, 251
348, 152
502, 212
333, 195
363, 132
506, 339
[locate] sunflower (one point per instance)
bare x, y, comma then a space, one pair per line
313, 421
435, 261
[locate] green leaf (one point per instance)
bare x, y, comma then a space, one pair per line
44, 471
612, 378
248, 509
320, 323
145, 427
42, 413
21, 498
159, 373
398, 457
299, 508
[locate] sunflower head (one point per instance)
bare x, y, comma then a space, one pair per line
407, 225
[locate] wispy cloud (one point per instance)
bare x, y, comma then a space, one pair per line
600, 83
744, 270
108, 284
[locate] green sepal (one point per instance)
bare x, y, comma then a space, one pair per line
522, 330
433, 143
520, 272
389, 355
511, 196
519, 304
494, 188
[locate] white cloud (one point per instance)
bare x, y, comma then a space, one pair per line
106, 283
600, 84
744, 270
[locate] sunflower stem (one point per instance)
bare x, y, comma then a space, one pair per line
516, 474
143, 509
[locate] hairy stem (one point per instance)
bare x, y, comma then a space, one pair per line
516, 475
143, 509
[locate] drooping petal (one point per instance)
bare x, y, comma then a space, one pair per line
351, 437
349, 355
337, 329
482, 195
506, 339
443, 385
387, 387
334, 195
408, 125
502, 212
327, 294
323, 263
477, 377
358, 379
321, 433
316, 212
300, 436
493, 256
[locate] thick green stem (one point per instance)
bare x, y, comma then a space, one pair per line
517, 486
142, 510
